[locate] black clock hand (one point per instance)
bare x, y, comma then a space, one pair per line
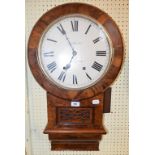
69, 64
74, 53
69, 42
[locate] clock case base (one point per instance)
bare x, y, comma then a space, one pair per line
75, 141
76, 128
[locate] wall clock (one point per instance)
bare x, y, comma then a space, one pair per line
75, 52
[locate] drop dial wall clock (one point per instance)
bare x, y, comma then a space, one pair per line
75, 53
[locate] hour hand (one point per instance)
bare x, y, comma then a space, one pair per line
67, 66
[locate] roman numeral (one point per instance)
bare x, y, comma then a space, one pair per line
52, 66
88, 29
62, 76
97, 66
61, 29
52, 40
49, 54
75, 79
74, 25
100, 53
88, 76
97, 40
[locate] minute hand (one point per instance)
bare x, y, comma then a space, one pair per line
69, 42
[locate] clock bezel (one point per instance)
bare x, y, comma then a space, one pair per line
41, 41
94, 13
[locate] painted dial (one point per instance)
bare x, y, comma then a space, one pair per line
75, 52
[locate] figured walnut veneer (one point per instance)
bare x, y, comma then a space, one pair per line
76, 128
99, 16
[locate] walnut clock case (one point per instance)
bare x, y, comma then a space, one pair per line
75, 52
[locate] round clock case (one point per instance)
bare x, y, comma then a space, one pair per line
75, 51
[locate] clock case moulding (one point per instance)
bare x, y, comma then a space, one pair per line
76, 128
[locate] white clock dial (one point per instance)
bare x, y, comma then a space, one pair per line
75, 52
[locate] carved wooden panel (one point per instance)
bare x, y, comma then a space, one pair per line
69, 116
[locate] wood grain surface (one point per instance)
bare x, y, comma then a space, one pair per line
99, 16
76, 128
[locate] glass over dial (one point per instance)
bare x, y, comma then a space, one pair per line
75, 52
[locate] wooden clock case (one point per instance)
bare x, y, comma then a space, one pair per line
76, 128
